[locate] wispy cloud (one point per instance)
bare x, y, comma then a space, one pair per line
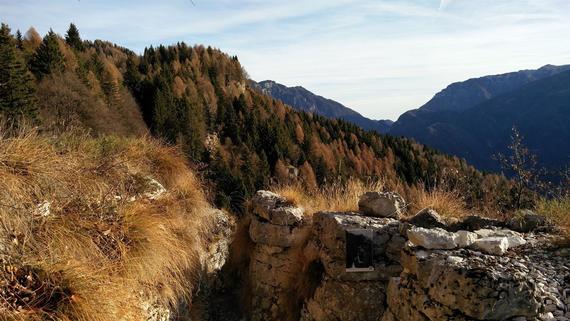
380, 57
444, 3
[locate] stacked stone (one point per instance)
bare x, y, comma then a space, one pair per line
277, 228
345, 295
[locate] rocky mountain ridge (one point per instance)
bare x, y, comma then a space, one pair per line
464, 95
304, 100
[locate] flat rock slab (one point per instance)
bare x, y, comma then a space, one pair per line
492, 245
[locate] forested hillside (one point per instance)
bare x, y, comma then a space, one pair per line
197, 98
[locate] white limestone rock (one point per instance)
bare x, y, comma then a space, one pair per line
495, 245
465, 238
432, 239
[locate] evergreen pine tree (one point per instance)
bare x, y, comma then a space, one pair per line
48, 58
17, 97
19, 40
73, 39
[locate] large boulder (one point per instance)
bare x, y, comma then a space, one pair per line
457, 285
380, 204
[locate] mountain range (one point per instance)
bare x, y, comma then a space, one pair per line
304, 100
472, 119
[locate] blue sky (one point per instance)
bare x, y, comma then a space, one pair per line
379, 57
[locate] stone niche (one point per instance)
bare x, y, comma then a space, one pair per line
348, 292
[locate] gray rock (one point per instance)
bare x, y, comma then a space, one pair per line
275, 209
427, 218
218, 248
155, 189
475, 222
381, 204
478, 287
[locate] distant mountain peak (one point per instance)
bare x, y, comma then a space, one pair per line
302, 99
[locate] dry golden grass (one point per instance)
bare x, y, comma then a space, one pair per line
104, 249
445, 203
333, 197
344, 197
558, 210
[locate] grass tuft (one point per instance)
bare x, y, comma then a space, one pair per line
447, 204
558, 210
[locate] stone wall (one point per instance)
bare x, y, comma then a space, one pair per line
423, 268
278, 230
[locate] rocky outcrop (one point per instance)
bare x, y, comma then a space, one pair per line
468, 285
218, 247
386, 269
